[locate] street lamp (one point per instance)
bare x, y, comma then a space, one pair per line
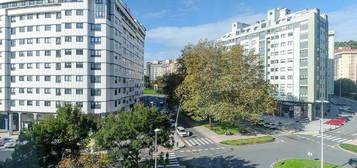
322, 129
177, 115
155, 153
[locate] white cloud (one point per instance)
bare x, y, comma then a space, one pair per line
162, 55
156, 14
344, 21
181, 36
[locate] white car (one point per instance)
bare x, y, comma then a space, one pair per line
182, 132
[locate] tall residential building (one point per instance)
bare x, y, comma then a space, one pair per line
294, 49
157, 69
56, 52
346, 63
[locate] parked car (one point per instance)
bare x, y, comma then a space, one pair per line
335, 122
182, 131
10, 144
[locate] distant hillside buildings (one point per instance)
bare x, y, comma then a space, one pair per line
346, 63
157, 69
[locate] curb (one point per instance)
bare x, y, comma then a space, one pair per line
346, 150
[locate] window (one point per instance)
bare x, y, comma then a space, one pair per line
47, 103
29, 28
79, 12
47, 78
29, 90
29, 16
30, 41
47, 65
79, 39
47, 52
21, 54
95, 53
290, 34
95, 40
47, 91
290, 60
79, 91
38, 28
95, 105
47, 27
68, 65
95, 66
79, 65
38, 78
79, 25
47, 15
79, 78
58, 40
68, 52
96, 92
21, 90
22, 29
21, 66
12, 103
21, 78
12, 79
290, 68
67, 78
95, 79
96, 27
13, 31
58, 15
67, 91
68, 12
68, 39
58, 79
47, 40
68, 25
58, 28
29, 66
79, 51
21, 102
58, 92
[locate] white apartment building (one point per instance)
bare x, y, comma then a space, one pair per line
157, 69
56, 52
294, 49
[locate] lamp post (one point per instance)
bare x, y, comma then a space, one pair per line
155, 153
176, 122
322, 101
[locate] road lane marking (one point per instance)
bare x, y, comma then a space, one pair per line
342, 140
202, 139
202, 143
196, 141
347, 141
336, 139
188, 143
330, 138
209, 140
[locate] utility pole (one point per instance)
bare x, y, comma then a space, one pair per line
322, 101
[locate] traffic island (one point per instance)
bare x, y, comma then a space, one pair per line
349, 147
301, 163
256, 140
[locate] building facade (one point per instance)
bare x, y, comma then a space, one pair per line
157, 69
294, 49
331, 64
346, 63
55, 52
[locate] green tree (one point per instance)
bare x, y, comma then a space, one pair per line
147, 82
129, 135
48, 142
224, 84
345, 87
168, 85
350, 43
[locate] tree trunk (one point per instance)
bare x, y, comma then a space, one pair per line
209, 122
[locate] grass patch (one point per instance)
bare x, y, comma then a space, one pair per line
222, 128
247, 141
349, 147
151, 91
302, 163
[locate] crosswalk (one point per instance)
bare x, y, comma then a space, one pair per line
198, 141
334, 138
173, 162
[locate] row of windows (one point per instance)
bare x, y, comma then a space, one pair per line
58, 40
57, 15
58, 27
58, 53
281, 77
281, 61
93, 66
58, 78
282, 69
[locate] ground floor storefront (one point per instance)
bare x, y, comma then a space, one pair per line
19, 121
299, 110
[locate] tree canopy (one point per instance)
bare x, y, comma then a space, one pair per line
57, 137
224, 84
348, 88
129, 135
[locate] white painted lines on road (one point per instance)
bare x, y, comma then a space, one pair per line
198, 141
198, 150
334, 138
173, 162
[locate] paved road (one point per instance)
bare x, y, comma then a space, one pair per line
210, 155
5, 153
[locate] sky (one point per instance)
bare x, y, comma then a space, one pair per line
172, 24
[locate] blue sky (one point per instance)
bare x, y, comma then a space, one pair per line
172, 24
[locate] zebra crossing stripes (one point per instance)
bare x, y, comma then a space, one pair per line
334, 138
173, 162
198, 141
